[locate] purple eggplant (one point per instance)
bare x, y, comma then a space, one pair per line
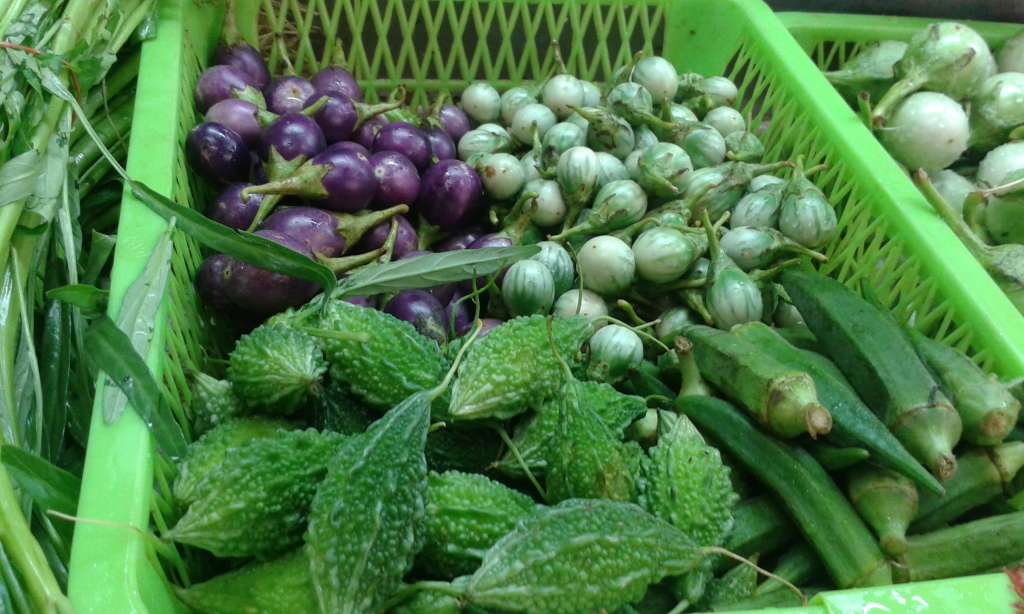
454, 121
288, 94
340, 180
494, 239
293, 135
339, 115
245, 58
264, 292
239, 115
348, 146
398, 181
367, 133
329, 234
461, 240
336, 80
232, 210
362, 301
407, 140
212, 281
405, 239
449, 194
422, 310
219, 83
442, 147
218, 153
458, 315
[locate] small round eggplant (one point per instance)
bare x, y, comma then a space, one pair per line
458, 315
246, 58
340, 116
528, 287
348, 146
422, 310
329, 234
442, 147
361, 301
212, 280
219, 83
449, 194
240, 116
293, 135
406, 240
614, 351
606, 265
288, 94
218, 153
336, 80
454, 121
481, 102
349, 184
405, 139
458, 241
588, 304
232, 209
398, 182
264, 292
367, 133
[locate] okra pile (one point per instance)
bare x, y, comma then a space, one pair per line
578, 360
951, 111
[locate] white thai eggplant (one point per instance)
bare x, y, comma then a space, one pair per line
617, 205
558, 260
530, 119
664, 254
585, 303
562, 93
614, 351
514, 99
576, 173
928, 130
547, 208
726, 120
756, 248
606, 265
871, 71
996, 109
481, 102
528, 288
608, 132
664, 169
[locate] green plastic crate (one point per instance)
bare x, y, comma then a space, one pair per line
441, 45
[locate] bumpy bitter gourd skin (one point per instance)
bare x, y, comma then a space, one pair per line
466, 514
206, 454
514, 368
537, 434
462, 447
279, 586
686, 483
366, 522
392, 364
257, 502
580, 556
213, 402
336, 409
274, 368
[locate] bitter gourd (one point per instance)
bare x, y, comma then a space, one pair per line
735, 585
257, 502
367, 518
537, 434
466, 514
514, 368
337, 409
391, 363
580, 556
206, 454
275, 368
461, 447
278, 586
213, 402
685, 482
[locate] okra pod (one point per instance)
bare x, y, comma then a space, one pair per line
984, 474
759, 525
874, 354
853, 424
833, 458
782, 399
824, 516
986, 407
799, 336
773, 599
887, 501
797, 565
965, 549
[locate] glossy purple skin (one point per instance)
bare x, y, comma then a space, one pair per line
348, 146
493, 239
211, 282
316, 229
293, 135
288, 94
463, 311
449, 194
454, 121
264, 292
349, 181
441, 145
422, 310
406, 139
230, 209
488, 325
246, 59
367, 133
219, 83
398, 181
458, 241
361, 301
406, 240
337, 80
337, 118
259, 171
218, 153
240, 116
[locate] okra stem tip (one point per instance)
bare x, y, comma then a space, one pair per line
819, 420
893, 545
944, 466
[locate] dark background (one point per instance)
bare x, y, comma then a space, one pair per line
993, 10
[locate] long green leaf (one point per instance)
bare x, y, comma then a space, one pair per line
50, 487
55, 373
432, 270
90, 299
112, 352
18, 177
244, 246
101, 246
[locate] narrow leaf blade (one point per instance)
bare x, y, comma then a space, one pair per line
51, 487
90, 299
